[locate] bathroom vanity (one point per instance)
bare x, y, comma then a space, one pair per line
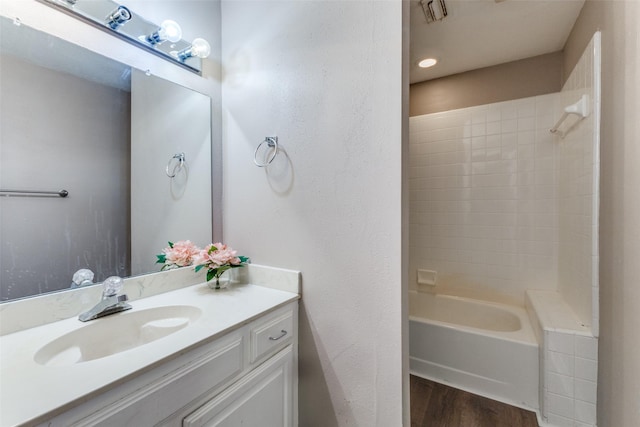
187, 357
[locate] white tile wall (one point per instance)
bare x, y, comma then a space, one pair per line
568, 361
578, 193
560, 405
483, 209
569, 370
570, 378
556, 420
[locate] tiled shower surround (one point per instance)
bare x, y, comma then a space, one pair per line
501, 208
483, 206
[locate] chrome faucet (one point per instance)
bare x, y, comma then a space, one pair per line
111, 301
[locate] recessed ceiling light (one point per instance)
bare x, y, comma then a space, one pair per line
426, 63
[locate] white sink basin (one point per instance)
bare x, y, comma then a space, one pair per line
116, 333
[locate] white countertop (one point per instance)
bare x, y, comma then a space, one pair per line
30, 391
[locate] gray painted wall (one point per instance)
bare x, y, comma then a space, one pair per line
514, 80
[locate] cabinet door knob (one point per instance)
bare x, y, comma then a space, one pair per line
282, 334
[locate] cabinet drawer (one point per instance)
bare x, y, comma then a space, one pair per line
271, 335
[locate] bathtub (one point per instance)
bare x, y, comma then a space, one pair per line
486, 348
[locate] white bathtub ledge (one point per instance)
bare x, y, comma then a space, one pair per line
554, 314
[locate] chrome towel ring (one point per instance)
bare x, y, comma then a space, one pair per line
272, 142
177, 165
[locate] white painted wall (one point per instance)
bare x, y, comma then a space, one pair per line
325, 77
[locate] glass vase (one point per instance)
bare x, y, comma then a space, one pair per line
220, 281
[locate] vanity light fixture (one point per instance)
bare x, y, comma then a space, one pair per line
428, 62
124, 23
199, 47
169, 30
118, 17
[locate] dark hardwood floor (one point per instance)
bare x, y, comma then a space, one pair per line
438, 405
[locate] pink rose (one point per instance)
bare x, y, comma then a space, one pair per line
181, 254
222, 255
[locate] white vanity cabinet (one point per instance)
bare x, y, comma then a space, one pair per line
246, 377
262, 398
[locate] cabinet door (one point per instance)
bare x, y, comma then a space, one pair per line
264, 398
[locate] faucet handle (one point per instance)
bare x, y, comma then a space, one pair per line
112, 286
82, 277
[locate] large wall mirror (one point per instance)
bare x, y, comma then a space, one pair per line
73, 120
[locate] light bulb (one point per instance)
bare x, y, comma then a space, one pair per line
169, 30
199, 47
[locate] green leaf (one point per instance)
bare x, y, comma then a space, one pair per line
244, 259
162, 258
170, 244
199, 267
210, 275
212, 249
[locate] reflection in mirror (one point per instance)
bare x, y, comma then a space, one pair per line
168, 121
66, 124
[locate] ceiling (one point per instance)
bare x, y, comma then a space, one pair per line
482, 33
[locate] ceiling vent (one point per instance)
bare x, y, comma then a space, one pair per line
434, 10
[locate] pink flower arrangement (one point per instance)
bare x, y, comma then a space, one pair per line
179, 254
216, 258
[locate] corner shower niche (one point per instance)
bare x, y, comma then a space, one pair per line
506, 211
